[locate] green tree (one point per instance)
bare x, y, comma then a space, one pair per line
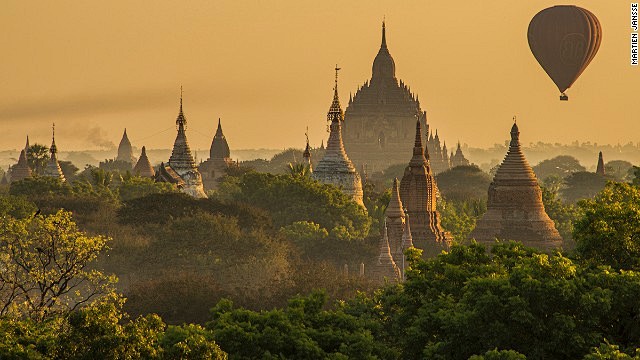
44, 266
609, 231
619, 170
41, 186
562, 166
563, 215
499, 355
463, 183
68, 169
38, 157
137, 187
582, 185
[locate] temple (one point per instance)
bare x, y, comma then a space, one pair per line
600, 167
125, 151
386, 268
380, 117
514, 209
306, 155
53, 167
21, 170
181, 169
143, 167
335, 167
458, 158
219, 160
418, 194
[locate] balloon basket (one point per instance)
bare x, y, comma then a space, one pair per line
563, 97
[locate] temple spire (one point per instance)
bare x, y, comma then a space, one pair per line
600, 169
418, 158
335, 110
384, 35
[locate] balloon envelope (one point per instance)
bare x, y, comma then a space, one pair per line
564, 39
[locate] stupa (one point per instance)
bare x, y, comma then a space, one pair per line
458, 158
181, 168
143, 167
600, 167
335, 167
125, 151
53, 167
386, 268
21, 170
514, 209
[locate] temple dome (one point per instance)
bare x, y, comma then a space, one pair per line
219, 146
383, 65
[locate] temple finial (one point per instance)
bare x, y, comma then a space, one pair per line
306, 134
336, 86
514, 119
384, 34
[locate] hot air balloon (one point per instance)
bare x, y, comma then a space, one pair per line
564, 39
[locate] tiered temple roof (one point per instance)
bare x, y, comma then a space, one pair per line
143, 166
386, 268
53, 167
458, 159
418, 193
219, 160
182, 163
335, 167
395, 221
21, 170
514, 209
125, 151
379, 118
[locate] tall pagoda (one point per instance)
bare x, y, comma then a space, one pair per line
125, 150
458, 158
53, 167
335, 167
418, 194
21, 170
514, 209
380, 117
600, 167
219, 160
181, 168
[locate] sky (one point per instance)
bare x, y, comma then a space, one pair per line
266, 69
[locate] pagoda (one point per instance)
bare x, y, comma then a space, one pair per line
335, 167
53, 167
181, 168
395, 219
514, 209
143, 167
380, 116
219, 160
418, 194
21, 170
125, 151
458, 158
386, 268
600, 167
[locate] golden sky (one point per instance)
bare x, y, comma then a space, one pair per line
266, 69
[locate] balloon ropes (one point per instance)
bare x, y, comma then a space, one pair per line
564, 39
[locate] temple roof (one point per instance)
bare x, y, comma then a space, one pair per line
21, 170
383, 65
219, 146
53, 167
600, 168
143, 166
125, 151
181, 159
515, 167
419, 157
394, 210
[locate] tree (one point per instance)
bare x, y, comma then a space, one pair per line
68, 169
44, 266
137, 187
563, 166
40, 186
582, 185
619, 170
38, 157
609, 231
563, 215
463, 183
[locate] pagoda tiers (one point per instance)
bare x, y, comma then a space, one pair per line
386, 268
395, 219
418, 194
143, 167
458, 159
125, 151
181, 168
514, 209
219, 160
306, 155
380, 117
438, 156
21, 170
600, 167
335, 167
53, 167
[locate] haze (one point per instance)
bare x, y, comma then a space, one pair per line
266, 69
